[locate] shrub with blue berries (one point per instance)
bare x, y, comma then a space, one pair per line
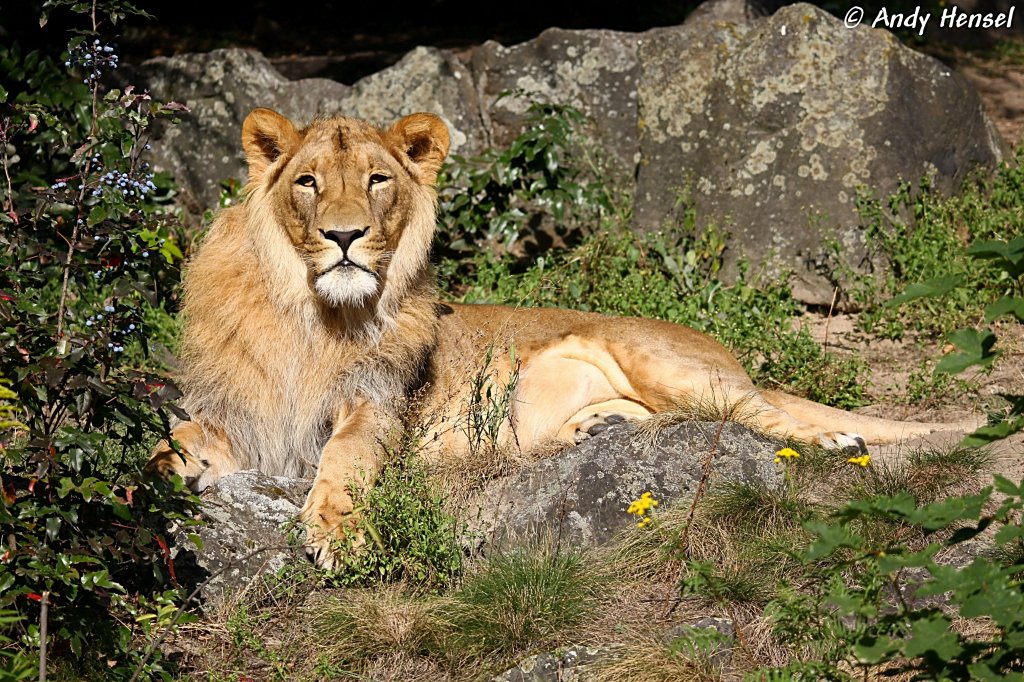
90, 250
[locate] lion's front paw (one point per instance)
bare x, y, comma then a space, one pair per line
194, 471
330, 521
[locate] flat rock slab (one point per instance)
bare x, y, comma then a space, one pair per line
580, 496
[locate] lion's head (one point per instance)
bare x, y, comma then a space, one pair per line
353, 203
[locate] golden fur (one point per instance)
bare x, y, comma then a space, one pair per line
311, 317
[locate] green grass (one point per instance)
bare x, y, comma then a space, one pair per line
410, 534
517, 602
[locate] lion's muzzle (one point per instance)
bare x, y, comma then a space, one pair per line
344, 238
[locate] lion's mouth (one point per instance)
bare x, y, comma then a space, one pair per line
345, 264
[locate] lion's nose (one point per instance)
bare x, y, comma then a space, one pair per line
344, 238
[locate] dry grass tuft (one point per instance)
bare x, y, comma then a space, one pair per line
706, 408
383, 633
654, 660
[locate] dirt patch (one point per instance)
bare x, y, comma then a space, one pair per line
901, 383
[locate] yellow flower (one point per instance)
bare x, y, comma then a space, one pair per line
643, 505
786, 453
641, 508
861, 461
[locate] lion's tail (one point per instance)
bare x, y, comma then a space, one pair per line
873, 429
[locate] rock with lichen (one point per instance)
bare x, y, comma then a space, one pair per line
580, 497
768, 125
221, 87
247, 517
771, 127
595, 71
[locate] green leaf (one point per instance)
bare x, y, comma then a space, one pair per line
938, 286
1009, 255
830, 538
1008, 487
976, 349
941, 514
872, 650
994, 432
97, 215
932, 634
53, 527
1007, 305
3, 94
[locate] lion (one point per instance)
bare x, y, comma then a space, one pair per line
311, 316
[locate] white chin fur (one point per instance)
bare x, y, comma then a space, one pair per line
346, 286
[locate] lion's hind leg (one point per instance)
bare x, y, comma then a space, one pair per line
593, 419
833, 423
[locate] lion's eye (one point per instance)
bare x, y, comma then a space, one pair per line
378, 178
306, 181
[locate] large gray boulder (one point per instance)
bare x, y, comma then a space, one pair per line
595, 71
768, 125
221, 87
247, 517
579, 497
772, 127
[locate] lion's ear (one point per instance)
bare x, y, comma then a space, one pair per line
266, 135
424, 138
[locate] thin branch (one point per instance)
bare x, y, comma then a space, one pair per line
828, 320
9, 200
44, 613
705, 475
93, 128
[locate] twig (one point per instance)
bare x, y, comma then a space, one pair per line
44, 614
9, 199
93, 129
705, 474
828, 320
181, 610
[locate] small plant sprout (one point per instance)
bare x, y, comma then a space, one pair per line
642, 509
786, 454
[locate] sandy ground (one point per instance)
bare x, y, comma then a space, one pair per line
892, 366
1000, 82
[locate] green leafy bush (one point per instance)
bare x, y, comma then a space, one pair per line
882, 607
921, 239
410, 536
977, 347
88, 254
548, 187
